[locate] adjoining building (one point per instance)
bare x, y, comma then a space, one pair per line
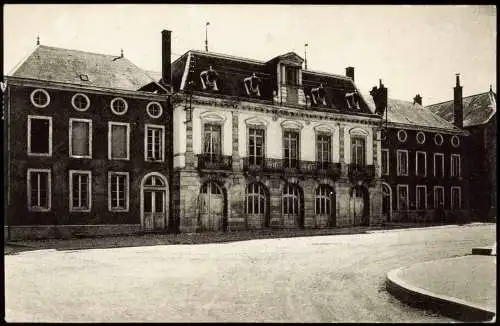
477, 115
422, 154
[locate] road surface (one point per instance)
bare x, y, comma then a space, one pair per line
314, 279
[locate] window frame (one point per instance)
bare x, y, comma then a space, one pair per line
263, 129
442, 165
162, 149
453, 143
416, 164
398, 162
70, 137
112, 107
110, 140
329, 146
440, 137
452, 207
148, 106
400, 138
32, 208
32, 98
89, 190
323, 197
417, 135
417, 200
298, 151
85, 97
436, 204
384, 151
40, 117
286, 197
365, 148
452, 175
255, 196
403, 186
110, 192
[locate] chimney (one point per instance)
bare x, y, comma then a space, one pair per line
349, 72
166, 63
417, 99
458, 109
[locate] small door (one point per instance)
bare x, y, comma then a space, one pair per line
386, 202
211, 202
358, 206
154, 209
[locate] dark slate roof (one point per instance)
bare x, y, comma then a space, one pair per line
408, 113
232, 70
69, 66
478, 109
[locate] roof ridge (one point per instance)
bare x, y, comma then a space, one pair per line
327, 73
227, 56
482, 93
82, 51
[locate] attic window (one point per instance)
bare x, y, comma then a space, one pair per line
420, 137
80, 102
154, 110
438, 139
455, 141
84, 77
402, 136
119, 106
40, 98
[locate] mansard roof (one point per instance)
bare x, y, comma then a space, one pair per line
232, 71
412, 114
83, 68
477, 109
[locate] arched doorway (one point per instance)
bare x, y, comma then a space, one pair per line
386, 202
292, 206
325, 206
257, 206
211, 201
359, 206
154, 203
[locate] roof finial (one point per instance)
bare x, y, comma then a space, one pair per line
121, 53
305, 55
38, 40
491, 90
206, 36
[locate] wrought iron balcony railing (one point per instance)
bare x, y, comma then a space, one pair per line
361, 172
273, 165
215, 162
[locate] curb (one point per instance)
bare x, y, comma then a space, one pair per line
424, 299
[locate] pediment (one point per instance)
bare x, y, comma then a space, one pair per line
291, 57
290, 124
257, 121
323, 128
358, 131
210, 116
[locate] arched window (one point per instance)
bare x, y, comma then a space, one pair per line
154, 181
291, 199
255, 199
210, 187
323, 199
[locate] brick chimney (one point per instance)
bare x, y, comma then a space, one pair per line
458, 108
349, 72
417, 99
166, 63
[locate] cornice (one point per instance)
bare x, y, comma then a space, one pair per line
79, 88
393, 125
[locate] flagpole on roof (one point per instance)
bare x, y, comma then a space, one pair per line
305, 56
206, 36
38, 40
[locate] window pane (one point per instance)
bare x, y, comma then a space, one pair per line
159, 201
80, 138
147, 201
119, 146
39, 135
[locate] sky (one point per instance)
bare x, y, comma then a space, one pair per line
413, 49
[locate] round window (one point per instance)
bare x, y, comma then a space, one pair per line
40, 98
420, 137
455, 141
80, 102
438, 139
402, 136
154, 110
119, 106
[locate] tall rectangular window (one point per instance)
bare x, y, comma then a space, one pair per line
456, 197
118, 191
402, 162
421, 197
438, 165
403, 197
80, 185
118, 141
291, 149
154, 143
455, 165
256, 146
80, 138
358, 151
323, 148
292, 75
39, 189
39, 135
385, 161
438, 197
212, 140
421, 163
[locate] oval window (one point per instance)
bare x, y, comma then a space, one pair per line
80, 102
402, 136
40, 98
119, 106
420, 137
438, 139
154, 110
455, 141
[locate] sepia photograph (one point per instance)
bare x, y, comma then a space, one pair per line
283, 163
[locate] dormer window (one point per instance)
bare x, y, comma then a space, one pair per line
318, 95
292, 75
84, 77
252, 85
352, 100
209, 79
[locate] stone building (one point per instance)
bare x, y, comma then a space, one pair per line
477, 115
271, 145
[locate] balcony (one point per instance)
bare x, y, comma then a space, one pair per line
215, 162
282, 166
358, 172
